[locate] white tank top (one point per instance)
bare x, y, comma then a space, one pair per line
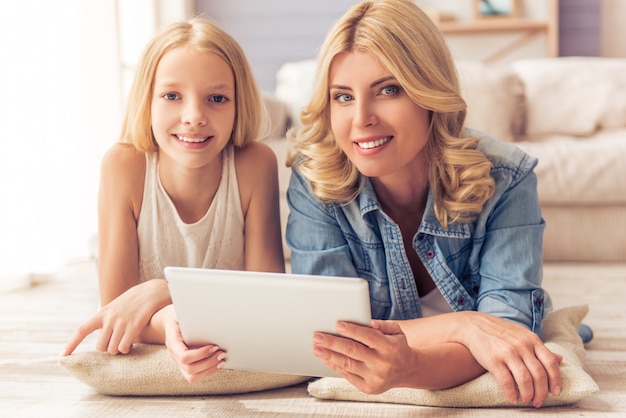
215, 241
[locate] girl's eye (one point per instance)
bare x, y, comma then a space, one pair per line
218, 99
390, 90
170, 96
343, 97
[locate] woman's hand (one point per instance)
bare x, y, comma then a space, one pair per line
122, 320
372, 359
523, 366
194, 364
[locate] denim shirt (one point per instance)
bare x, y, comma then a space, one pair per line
491, 265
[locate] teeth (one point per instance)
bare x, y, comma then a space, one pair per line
194, 140
373, 144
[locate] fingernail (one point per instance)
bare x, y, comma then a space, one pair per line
221, 356
557, 391
317, 338
341, 327
221, 365
317, 351
213, 349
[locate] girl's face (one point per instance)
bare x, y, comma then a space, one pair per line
381, 130
193, 106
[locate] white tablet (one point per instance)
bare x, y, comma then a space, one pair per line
265, 321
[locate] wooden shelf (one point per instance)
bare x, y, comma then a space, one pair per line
492, 25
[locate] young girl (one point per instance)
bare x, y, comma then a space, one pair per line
185, 186
444, 222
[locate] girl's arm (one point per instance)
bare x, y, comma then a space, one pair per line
126, 305
257, 172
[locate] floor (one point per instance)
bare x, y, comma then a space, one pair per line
37, 320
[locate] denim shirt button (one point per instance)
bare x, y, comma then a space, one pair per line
430, 254
461, 301
538, 302
420, 236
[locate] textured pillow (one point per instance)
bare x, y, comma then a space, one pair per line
494, 97
573, 95
560, 333
149, 371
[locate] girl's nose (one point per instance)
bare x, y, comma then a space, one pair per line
194, 114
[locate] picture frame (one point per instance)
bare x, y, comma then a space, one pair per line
496, 9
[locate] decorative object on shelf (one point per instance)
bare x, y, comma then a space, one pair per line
489, 9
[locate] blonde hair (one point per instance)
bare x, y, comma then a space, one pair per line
410, 46
250, 113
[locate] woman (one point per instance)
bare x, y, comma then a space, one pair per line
444, 222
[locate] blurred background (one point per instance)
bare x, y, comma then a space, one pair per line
66, 66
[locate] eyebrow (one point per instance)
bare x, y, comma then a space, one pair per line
374, 84
220, 86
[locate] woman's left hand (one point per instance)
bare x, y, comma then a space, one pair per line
374, 359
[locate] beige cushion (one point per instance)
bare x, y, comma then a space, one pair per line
573, 95
560, 335
149, 371
580, 171
494, 97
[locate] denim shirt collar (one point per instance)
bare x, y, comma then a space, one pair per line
368, 202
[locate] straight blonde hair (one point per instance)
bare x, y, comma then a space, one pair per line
411, 47
250, 114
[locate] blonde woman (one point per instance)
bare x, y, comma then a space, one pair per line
187, 185
442, 221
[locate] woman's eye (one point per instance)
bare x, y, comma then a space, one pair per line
170, 96
218, 99
389, 90
343, 97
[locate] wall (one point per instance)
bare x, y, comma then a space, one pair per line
272, 32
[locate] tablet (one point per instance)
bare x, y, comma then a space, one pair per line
265, 321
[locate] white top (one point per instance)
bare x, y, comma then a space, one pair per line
433, 303
215, 241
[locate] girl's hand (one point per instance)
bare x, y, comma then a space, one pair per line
194, 364
372, 359
122, 320
523, 366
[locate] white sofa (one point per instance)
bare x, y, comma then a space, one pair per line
568, 112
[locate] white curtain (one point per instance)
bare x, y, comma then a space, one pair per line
63, 85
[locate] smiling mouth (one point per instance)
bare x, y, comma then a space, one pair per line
373, 144
191, 140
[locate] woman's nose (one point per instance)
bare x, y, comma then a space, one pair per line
364, 114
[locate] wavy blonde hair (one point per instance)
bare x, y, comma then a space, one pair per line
411, 47
250, 114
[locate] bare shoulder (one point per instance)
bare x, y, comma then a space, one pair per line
122, 175
255, 159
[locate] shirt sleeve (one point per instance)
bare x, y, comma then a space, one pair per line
511, 254
318, 245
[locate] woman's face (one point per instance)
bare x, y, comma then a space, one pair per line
381, 130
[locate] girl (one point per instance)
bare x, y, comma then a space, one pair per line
444, 222
185, 186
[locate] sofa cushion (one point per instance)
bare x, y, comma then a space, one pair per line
580, 171
278, 116
494, 97
573, 95
294, 86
